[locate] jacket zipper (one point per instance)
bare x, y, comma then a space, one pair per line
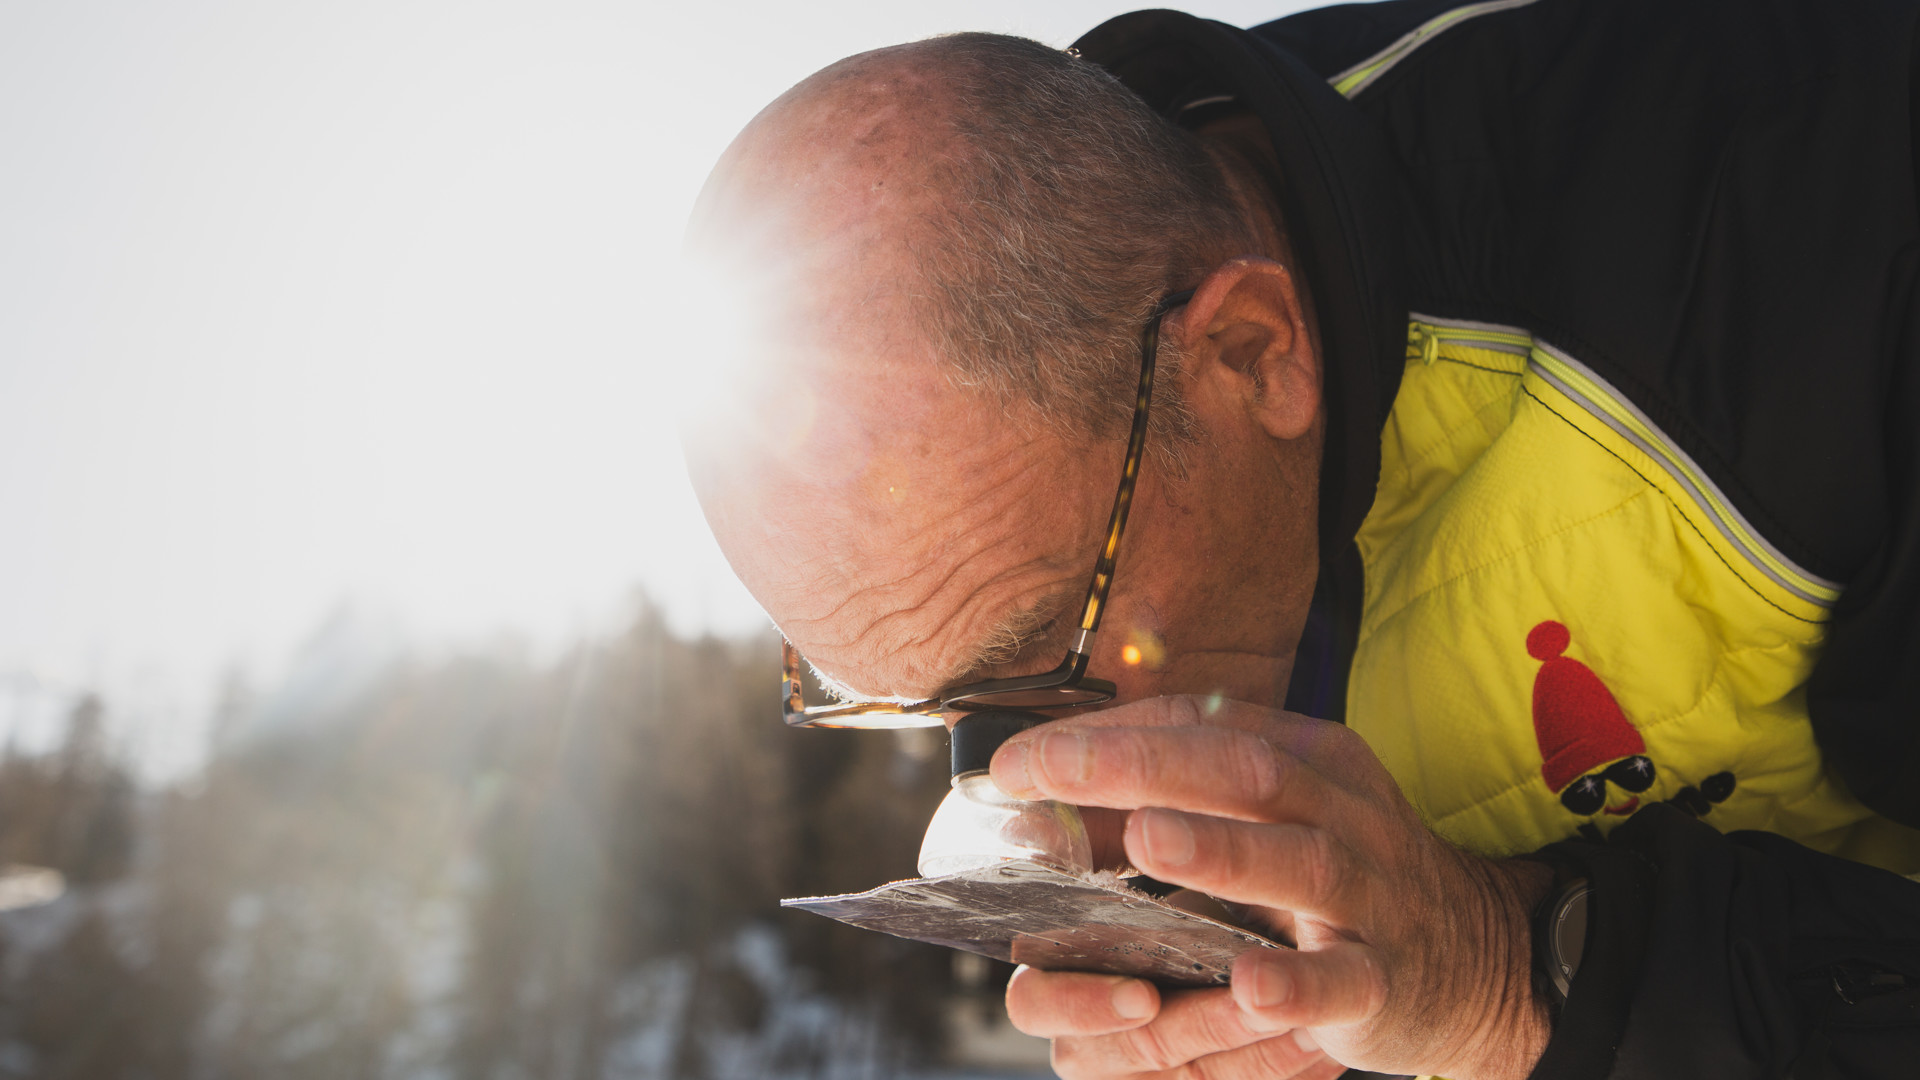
1604, 403
1428, 336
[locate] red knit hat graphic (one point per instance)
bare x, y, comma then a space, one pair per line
1579, 724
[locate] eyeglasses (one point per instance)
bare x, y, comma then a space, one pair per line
1068, 684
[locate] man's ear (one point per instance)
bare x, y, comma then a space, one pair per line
1246, 328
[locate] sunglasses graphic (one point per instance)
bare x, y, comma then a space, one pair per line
1588, 794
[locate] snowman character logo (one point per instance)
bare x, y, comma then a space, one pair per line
1587, 745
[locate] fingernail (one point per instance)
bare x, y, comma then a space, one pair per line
1168, 837
1271, 987
1133, 1000
1304, 1039
1066, 758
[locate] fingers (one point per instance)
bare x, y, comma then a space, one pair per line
1190, 1025
1292, 867
1052, 1004
1098, 1029
1280, 989
1277, 1057
1189, 1034
1221, 771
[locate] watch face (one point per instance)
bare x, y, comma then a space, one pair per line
1569, 937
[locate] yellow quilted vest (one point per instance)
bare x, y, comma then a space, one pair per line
1564, 620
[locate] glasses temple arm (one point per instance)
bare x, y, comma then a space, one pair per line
1123, 500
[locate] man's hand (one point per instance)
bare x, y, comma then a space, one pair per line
1111, 1026
1413, 957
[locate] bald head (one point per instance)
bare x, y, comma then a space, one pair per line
1032, 209
942, 255
848, 157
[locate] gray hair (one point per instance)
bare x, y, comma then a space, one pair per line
1074, 208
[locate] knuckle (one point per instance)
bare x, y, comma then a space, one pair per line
1353, 755
1185, 709
1148, 1046
1258, 769
1319, 864
1342, 738
1350, 988
1234, 852
1318, 990
1133, 766
1211, 1067
1220, 1028
1076, 1059
1067, 1059
1374, 976
1335, 744
1277, 1056
1118, 764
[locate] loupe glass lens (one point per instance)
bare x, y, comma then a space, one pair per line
978, 826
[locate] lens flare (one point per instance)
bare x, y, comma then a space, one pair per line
1144, 647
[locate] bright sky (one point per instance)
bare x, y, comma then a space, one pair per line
364, 303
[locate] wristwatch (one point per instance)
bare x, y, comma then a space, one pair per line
1559, 937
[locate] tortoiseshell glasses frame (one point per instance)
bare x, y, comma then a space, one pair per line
1066, 685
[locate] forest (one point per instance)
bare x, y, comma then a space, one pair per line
483, 865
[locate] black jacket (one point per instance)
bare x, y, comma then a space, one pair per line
1715, 202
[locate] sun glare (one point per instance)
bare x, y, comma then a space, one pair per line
704, 351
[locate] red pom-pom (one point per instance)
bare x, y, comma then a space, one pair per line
1547, 640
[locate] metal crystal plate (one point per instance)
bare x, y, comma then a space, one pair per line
1028, 913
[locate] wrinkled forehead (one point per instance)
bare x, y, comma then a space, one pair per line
889, 521
830, 483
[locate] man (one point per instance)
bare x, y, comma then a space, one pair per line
1531, 397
